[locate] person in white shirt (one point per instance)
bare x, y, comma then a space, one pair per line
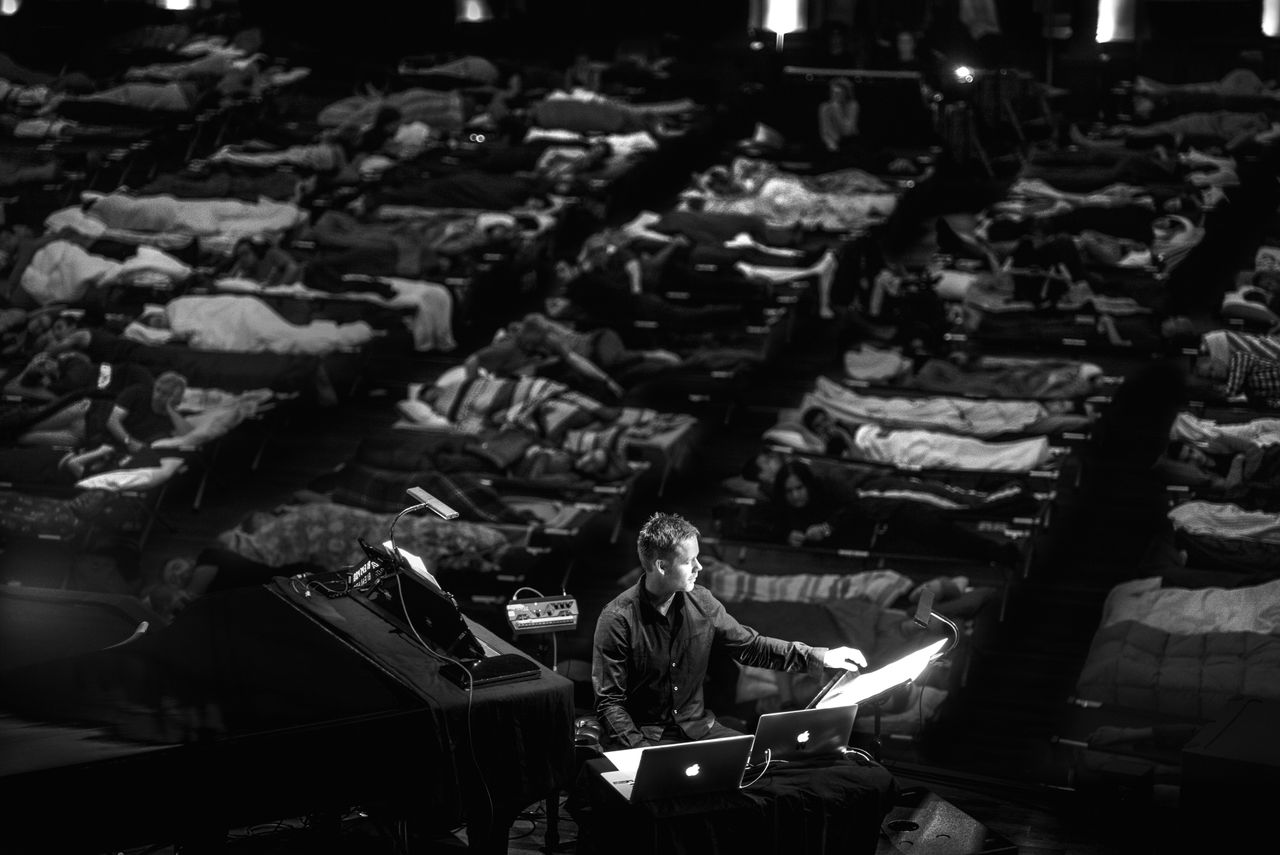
838, 115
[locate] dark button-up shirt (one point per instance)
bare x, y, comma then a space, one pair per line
648, 668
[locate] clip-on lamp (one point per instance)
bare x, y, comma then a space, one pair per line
873, 687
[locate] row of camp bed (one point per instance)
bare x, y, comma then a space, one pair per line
1183, 643
110, 261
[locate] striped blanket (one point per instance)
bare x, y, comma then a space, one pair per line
550, 411
1220, 344
730, 585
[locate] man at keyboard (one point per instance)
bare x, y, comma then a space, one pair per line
653, 643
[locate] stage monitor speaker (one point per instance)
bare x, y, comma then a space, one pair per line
923, 823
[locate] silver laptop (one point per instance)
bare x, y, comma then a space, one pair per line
683, 769
803, 734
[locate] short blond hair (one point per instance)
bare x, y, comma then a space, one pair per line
660, 537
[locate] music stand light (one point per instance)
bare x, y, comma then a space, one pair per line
873, 687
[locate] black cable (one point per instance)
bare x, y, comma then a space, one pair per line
391, 530
533, 826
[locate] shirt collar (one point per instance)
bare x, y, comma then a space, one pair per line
650, 603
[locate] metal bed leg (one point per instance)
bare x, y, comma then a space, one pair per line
257, 457
552, 809
204, 477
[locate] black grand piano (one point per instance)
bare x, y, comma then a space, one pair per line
254, 705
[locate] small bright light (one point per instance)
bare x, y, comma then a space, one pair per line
177, 5
10, 7
475, 11
756, 45
782, 16
1271, 18
963, 71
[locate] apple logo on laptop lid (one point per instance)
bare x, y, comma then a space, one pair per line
693, 770
802, 738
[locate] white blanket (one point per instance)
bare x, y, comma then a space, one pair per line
1226, 520
213, 413
957, 415
919, 449
1201, 432
246, 324
431, 323
1195, 611
133, 479
63, 272
229, 219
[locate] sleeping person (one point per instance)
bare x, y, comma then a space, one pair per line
245, 324
1240, 372
1239, 462
537, 345
923, 449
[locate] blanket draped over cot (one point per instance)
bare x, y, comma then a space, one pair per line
410, 247
835, 203
439, 110
431, 323
549, 410
991, 377
1226, 521
247, 325
1222, 343
956, 415
219, 223
63, 272
589, 112
1184, 652
66, 519
919, 449
1201, 432
327, 535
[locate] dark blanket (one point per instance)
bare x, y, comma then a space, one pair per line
1144, 668
67, 519
468, 190
279, 186
510, 453
1040, 381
